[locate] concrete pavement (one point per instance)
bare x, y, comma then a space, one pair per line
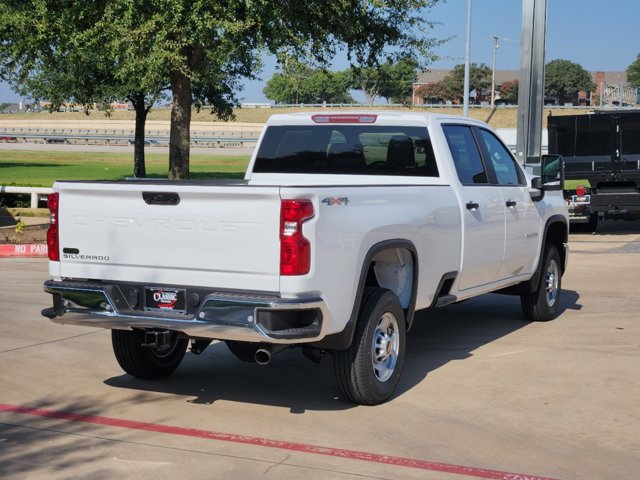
482, 391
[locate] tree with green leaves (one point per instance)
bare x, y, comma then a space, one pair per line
201, 49
327, 86
300, 83
479, 81
633, 73
563, 79
391, 80
211, 45
84, 53
400, 77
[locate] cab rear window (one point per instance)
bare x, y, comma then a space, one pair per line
347, 149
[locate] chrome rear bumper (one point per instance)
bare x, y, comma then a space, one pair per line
220, 315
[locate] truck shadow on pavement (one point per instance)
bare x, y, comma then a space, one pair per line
291, 381
613, 227
40, 447
454, 332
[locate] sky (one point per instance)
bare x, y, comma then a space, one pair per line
598, 35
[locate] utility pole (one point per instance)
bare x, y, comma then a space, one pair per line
496, 46
467, 61
531, 87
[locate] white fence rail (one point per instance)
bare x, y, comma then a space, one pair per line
35, 192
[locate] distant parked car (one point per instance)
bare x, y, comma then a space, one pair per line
146, 142
6, 139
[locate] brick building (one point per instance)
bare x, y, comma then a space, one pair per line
584, 98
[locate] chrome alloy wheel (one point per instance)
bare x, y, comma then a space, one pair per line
385, 347
551, 283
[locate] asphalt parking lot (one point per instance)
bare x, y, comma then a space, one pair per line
483, 395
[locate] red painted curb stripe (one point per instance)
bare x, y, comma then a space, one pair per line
270, 443
26, 250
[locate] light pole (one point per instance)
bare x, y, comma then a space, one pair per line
496, 46
465, 103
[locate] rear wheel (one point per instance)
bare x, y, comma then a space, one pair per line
588, 227
369, 370
591, 225
147, 362
543, 304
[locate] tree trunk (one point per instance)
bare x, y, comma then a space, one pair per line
139, 168
370, 92
179, 136
371, 98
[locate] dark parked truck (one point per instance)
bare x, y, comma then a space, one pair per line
601, 151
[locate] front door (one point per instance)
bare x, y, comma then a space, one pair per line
522, 222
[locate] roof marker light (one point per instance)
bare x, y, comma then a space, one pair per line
344, 118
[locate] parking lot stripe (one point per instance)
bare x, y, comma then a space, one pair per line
271, 443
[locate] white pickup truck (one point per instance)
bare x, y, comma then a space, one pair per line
345, 225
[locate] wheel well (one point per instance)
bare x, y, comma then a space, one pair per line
393, 269
557, 236
378, 271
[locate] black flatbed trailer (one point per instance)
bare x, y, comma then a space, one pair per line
601, 151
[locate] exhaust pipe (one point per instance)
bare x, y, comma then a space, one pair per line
265, 352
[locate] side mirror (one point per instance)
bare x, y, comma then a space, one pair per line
537, 189
552, 172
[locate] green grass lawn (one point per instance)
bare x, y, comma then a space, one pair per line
41, 169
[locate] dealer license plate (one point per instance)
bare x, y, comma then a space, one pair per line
165, 299
581, 199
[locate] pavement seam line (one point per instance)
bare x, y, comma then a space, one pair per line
49, 342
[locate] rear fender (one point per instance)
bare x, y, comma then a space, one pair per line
342, 340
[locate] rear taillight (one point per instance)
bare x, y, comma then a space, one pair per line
295, 249
581, 190
53, 243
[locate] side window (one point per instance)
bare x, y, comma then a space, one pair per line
466, 156
507, 172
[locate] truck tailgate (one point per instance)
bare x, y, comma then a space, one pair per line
217, 235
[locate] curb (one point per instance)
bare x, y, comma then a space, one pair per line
26, 250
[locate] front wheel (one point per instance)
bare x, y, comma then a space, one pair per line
543, 303
147, 362
369, 370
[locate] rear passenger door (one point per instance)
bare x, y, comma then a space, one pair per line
522, 223
483, 210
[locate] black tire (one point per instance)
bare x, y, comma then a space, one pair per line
244, 351
591, 225
576, 227
367, 374
147, 362
543, 304
588, 227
